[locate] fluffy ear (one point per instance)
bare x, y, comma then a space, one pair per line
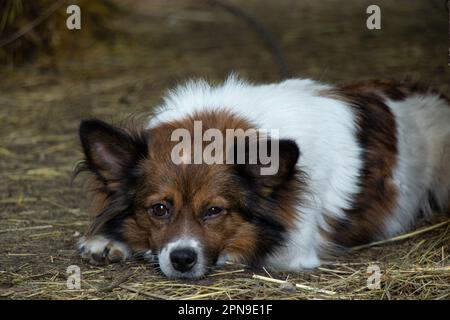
284, 155
110, 151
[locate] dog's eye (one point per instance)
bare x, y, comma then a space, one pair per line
212, 212
160, 210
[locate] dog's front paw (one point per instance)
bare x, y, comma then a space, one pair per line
100, 250
225, 258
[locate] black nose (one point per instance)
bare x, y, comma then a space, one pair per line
183, 259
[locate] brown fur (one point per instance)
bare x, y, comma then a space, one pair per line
392, 89
377, 137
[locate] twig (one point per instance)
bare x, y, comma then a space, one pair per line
26, 228
116, 283
225, 273
34, 276
437, 269
300, 286
151, 295
402, 237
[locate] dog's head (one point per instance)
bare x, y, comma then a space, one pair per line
190, 215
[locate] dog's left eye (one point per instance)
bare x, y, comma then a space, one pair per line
212, 212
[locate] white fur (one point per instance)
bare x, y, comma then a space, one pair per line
165, 264
96, 245
423, 164
325, 131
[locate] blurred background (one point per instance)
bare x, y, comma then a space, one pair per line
128, 52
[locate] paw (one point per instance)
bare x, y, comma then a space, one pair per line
225, 259
150, 256
309, 262
304, 261
101, 250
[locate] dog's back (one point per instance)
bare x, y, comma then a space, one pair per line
422, 134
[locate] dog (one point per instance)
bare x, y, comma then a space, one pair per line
358, 162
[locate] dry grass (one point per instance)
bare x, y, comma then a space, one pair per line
416, 269
42, 214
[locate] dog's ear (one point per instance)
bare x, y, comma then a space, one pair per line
109, 151
283, 155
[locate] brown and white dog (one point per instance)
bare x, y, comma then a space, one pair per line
357, 162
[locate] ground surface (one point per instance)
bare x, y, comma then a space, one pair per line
160, 44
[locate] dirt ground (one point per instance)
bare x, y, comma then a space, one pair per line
161, 43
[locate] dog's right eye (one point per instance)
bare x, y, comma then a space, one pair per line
159, 210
